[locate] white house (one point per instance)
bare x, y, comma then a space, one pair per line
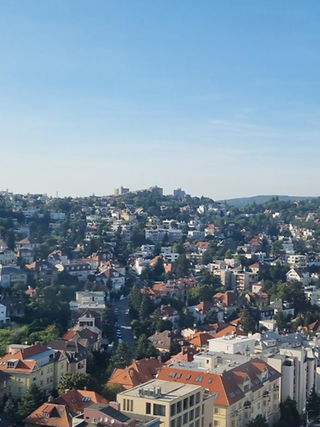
300, 276
3, 315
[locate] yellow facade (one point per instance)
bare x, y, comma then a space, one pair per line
46, 377
181, 405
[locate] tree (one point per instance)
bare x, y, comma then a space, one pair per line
10, 409
313, 402
111, 390
32, 399
289, 415
175, 347
183, 266
122, 358
145, 307
77, 381
281, 321
258, 421
247, 321
135, 297
144, 348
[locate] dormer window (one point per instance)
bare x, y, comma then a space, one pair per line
46, 415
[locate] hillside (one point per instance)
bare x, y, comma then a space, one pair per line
243, 201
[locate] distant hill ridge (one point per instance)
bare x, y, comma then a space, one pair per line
243, 201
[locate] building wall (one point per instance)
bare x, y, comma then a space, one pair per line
174, 413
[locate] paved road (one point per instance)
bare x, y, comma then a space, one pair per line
124, 320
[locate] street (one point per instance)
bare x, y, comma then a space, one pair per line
123, 320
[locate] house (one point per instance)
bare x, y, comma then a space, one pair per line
90, 340
186, 355
81, 270
200, 340
139, 372
64, 410
228, 301
14, 306
200, 311
10, 275
25, 249
284, 306
161, 341
57, 257
4, 319
171, 314
230, 330
32, 364
110, 275
299, 275
242, 388
88, 318
89, 299
7, 257
42, 270
76, 355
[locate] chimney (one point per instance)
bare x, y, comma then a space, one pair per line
50, 399
115, 405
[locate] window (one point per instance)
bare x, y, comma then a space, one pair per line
216, 410
202, 422
197, 412
216, 423
185, 418
179, 421
148, 408
197, 423
191, 416
202, 409
233, 423
188, 377
173, 423
159, 410
179, 406
199, 379
191, 400
197, 398
185, 404
100, 419
173, 409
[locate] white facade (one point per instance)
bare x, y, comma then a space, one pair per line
298, 367
3, 315
232, 345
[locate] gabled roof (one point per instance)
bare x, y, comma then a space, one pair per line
137, 373
224, 386
200, 339
60, 411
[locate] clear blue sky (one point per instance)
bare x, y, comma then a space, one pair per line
219, 97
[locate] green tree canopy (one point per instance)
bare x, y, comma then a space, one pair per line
32, 399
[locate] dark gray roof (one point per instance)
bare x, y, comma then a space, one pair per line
110, 411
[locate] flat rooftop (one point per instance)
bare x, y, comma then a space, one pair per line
169, 390
223, 362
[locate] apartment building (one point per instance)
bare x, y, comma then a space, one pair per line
298, 367
242, 387
298, 261
32, 364
89, 299
175, 404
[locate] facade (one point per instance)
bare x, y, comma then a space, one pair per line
174, 404
3, 315
232, 344
242, 387
298, 367
76, 355
12, 275
32, 364
81, 270
89, 299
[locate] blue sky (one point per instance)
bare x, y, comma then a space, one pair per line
221, 98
